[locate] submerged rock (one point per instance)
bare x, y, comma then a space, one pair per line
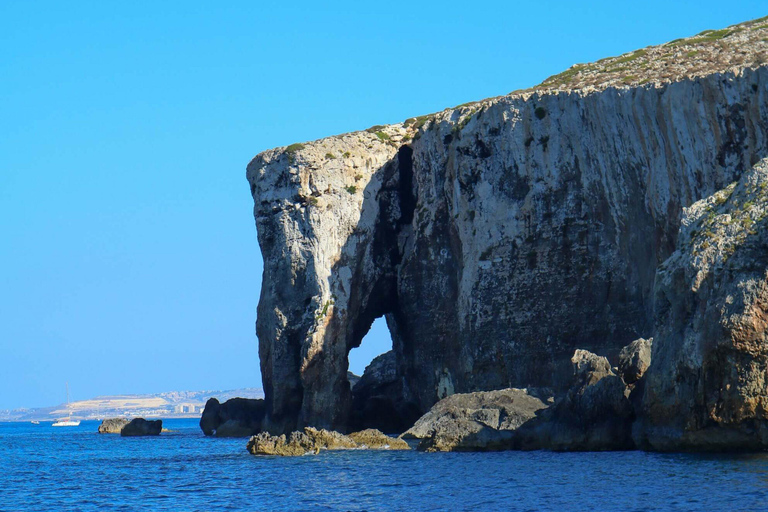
112, 425
237, 417
707, 388
142, 427
373, 439
484, 420
312, 440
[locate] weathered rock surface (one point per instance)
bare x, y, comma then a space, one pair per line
707, 388
237, 417
484, 420
594, 415
373, 439
312, 440
588, 366
112, 425
352, 379
142, 427
377, 399
635, 359
495, 237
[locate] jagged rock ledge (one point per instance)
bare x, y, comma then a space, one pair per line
312, 440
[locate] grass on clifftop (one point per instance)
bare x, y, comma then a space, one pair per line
292, 150
714, 50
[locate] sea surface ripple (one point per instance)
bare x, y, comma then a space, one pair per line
76, 469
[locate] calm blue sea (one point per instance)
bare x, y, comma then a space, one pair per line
77, 469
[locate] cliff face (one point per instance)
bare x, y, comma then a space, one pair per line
325, 214
496, 237
707, 387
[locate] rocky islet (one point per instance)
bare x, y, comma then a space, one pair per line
311, 440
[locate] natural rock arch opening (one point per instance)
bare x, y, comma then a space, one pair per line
375, 343
378, 397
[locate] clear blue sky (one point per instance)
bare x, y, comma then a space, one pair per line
128, 253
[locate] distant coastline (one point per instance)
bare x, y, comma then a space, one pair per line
171, 404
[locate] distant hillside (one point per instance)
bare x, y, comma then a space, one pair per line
172, 404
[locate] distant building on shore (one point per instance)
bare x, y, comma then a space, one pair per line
184, 408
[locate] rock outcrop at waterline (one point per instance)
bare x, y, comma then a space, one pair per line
480, 421
141, 427
312, 440
595, 414
497, 237
237, 417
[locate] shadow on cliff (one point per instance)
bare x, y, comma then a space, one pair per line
382, 401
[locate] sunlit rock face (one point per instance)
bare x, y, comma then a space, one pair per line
496, 237
327, 214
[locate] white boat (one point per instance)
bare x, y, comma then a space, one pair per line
35, 422
68, 421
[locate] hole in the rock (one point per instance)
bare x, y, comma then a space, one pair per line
407, 199
378, 397
376, 342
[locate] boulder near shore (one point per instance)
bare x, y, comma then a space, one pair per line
112, 425
141, 427
480, 421
237, 417
312, 440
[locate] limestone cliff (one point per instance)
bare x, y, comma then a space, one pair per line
707, 387
497, 237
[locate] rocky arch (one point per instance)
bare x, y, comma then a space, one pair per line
340, 270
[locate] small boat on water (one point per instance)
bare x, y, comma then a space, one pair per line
35, 422
68, 421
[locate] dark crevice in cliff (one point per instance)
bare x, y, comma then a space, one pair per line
405, 185
381, 296
381, 402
